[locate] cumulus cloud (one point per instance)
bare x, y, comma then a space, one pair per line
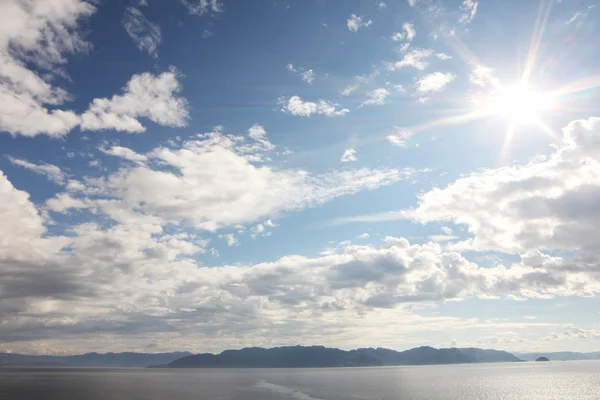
468, 10
376, 97
145, 95
434, 82
356, 22
443, 56
548, 203
296, 106
415, 58
52, 172
399, 137
216, 180
144, 33
135, 278
348, 156
42, 33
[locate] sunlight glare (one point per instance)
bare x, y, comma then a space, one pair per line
518, 104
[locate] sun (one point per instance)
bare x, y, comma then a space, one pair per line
518, 104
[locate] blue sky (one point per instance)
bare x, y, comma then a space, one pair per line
202, 174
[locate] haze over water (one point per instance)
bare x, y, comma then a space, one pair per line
575, 380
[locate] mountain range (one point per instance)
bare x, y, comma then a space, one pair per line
92, 359
319, 356
288, 357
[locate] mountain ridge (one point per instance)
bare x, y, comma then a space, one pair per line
320, 356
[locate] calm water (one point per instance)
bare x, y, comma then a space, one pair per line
555, 380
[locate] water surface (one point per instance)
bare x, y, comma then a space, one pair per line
575, 380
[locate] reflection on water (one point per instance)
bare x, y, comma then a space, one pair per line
576, 380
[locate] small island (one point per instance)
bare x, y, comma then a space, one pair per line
542, 359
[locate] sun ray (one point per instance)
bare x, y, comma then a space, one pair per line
580, 85
510, 132
536, 39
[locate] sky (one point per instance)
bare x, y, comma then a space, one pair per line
210, 174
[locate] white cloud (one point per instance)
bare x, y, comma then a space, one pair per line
483, 76
144, 33
359, 80
201, 7
145, 95
397, 36
52, 172
363, 236
468, 10
447, 230
38, 32
570, 331
259, 134
411, 33
548, 203
381, 5
296, 106
291, 68
434, 82
348, 156
308, 76
348, 90
442, 238
412, 2
399, 137
216, 180
356, 22
416, 58
230, 239
125, 153
443, 56
376, 97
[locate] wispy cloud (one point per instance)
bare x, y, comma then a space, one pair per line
376, 97
399, 137
145, 34
468, 10
415, 58
201, 7
308, 76
52, 172
409, 33
356, 22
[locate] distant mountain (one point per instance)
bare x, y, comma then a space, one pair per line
319, 356
560, 356
484, 356
92, 359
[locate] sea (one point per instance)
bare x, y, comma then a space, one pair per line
573, 380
